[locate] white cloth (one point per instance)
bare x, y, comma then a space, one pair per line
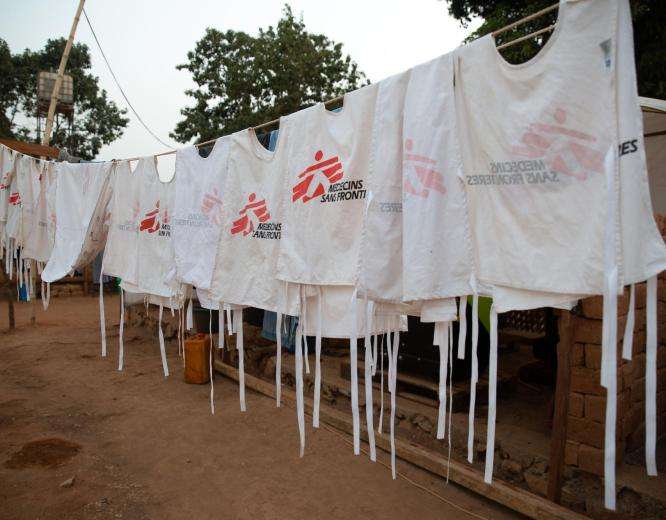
251, 233
437, 245
324, 191
7, 159
197, 216
534, 168
77, 189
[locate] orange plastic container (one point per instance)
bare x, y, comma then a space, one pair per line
197, 356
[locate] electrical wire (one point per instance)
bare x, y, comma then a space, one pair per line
129, 104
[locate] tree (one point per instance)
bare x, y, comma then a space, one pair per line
649, 34
97, 120
245, 80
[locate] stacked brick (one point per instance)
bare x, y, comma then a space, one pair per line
587, 398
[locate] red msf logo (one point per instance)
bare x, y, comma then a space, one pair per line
151, 221
568, 148
254, 213
420, 175
15, 198
3, 184
212, 206
327, 172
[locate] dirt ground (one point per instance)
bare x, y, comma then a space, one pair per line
140, 446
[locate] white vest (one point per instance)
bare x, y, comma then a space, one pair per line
77, 189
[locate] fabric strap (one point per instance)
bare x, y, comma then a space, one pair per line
102, 320
210, 361
393, 376
317, 385
238, 325
220, 326
462, 326
298, 366
121, 333
628, 341
165, 366
189, 321
381, 385
474, 378
651, 378
369, 410
441, 340
448, 460
492, 397
353, 365
278, 360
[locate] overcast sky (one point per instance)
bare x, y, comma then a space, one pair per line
144, 40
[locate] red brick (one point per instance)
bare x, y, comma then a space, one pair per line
585, 431
591, 459
595, 408
626, 376
630, 423
641, 289
638, 365
587, 331
624, 400
578, 355
639, 342
571, 453
661, 379
586, 381
592, 356
661, 402
576, 404
661, 356
592, 307
638, 391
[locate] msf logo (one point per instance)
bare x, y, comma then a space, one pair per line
317, 177
421, 177
254, 213
15, 198
151, 221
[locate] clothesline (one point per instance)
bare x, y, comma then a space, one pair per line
502, 30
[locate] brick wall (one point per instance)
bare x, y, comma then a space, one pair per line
587, 399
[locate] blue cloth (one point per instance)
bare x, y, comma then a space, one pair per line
289, 324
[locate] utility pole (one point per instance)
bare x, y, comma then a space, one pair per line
46, 138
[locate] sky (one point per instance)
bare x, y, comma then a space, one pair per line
144, 40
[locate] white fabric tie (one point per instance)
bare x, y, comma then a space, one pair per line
651, 378
628, 341
305, 336
393, 376
353, 366
462, 326
102, 320
210, 362
448, 460
121, 345
381, 385
162, 347
441, 340
189, 320
374, 355
609, 329
492, 397
229, 321
238, 325
298, 362
369, 411
474, 377
278, 360
317, 387
220, 325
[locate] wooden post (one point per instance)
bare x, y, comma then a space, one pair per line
562, 386
46, 138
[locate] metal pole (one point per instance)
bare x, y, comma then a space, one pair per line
46, 138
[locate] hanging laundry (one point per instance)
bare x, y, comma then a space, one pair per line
77, 189
197, 216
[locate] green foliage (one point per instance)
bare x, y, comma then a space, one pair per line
649, 20
97, 120
245, 80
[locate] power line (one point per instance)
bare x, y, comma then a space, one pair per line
121, 88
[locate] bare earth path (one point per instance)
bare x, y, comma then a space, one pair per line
141, 446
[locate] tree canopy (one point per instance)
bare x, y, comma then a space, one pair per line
649, 34
245, 80
97, 120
